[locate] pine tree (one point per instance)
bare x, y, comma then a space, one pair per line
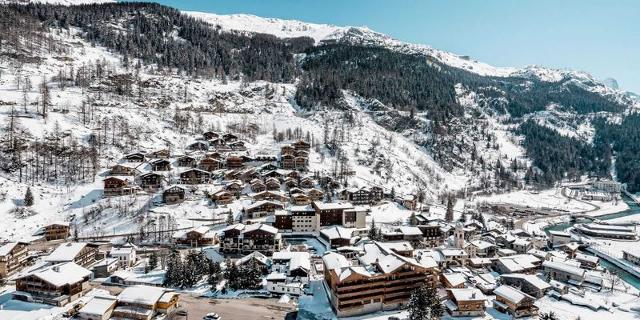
373, 231
232, 275
28, 198
230, 219
214, 273
424, 304
174, 275
548, 316
449, 215
153, 261
413, 221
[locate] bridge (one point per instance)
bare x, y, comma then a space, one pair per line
581, 216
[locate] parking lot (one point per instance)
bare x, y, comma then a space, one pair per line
229, 309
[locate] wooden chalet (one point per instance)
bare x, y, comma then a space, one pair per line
229, 137
210, 164
315, 194
117, 186
56, 231
237, 146
270, 195
514, 302
194, 176
196, 237
301, 145
81, 253
151, 181
235, 187
288, 161
187, 161
257, 185
125, 169
261, 208
160, 165
290, 183
134, 157
161, 154
287, 149
222, 197
300, 199
56, 285
217, 143
198, 146
307, 182
173, 195
234, 161
468, 302
210, 135
272, 184
13, 257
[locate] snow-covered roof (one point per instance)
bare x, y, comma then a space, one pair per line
511, 294
531, 279
253, 255
332, 205
397, 245
262, 202
98, 305
60, 274
519, 262
481, 244
146, 295
259, 226
7, 247
337, 232
296, 259
66, 252
455, 279
468, 294
335, 261
564, 267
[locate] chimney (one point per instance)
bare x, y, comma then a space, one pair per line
473, 295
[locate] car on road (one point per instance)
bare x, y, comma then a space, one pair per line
212, 316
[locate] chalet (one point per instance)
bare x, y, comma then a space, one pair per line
194, 176
403, 233
261, 209
235, 187
218, 143
301, 145
520, 263
315, 194
210, 135
295, 190
272, 184
248, 174
56, 231
173, 194
187, 161
151, 181
161, 154
375, 280
267, 167
287, 149
364, 195
98, 308
453, 280
290, 272
288, 161
144, 302
13, 257
290, 183
300, 199
273, 174
270, 195
198, 146
528, 283
222, 197
117, 186
237, 146
125, 169
481, 248
241, 238
514, 302
57, 284
83, 254
257, 185
257, 258
214, 155
230, 137
134, 157
410, 202
307, 182
196, 237
160, 165
300, 163
564, 272
465, 302
210, 164
233, 174
337, 236
234, 161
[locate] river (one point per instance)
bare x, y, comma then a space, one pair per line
634, 208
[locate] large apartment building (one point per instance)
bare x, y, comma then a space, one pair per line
377, 279
241, 238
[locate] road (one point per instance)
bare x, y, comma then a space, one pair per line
231, 309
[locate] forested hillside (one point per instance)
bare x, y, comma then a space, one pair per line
414, 94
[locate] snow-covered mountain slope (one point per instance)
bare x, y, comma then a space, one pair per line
365, 36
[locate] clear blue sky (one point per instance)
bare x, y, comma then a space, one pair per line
598, 36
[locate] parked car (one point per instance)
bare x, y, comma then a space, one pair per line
212, 316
